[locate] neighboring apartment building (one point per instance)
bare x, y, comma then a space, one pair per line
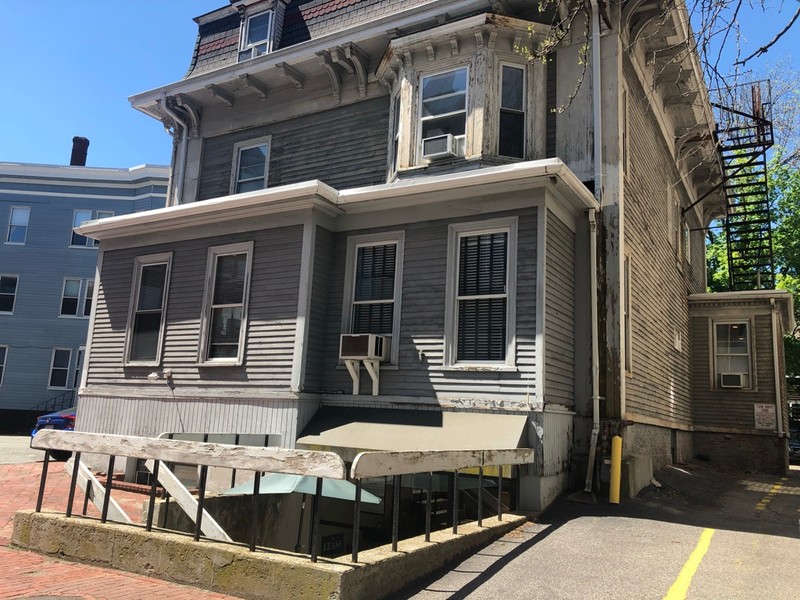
399, 169
47, 272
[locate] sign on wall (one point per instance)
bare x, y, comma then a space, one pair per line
765, 416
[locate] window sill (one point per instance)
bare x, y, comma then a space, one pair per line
147, 365
383, 367
14, 243
59, 389
214, 364
73, 316
84, 247
477, 368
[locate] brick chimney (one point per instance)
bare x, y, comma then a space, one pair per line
80, 147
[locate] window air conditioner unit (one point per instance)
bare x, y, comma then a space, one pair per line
364, 346
440, 146
731, 380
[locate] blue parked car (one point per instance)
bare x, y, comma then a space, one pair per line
63, 420
794, 444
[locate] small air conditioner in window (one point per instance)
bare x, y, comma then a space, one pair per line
731, 380
364, 346
440, 146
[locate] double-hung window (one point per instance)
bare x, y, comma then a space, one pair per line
79, 217
481, 282
732, 355
148, 308
8, 293
3, 356
76, 297
250, 165
18, 225
444, 107
512, 112
256, 37
225, 304
374, 279
59, 368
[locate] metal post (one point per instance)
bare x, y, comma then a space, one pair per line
107, 499
256, 492
315, 521
356, 520
198, 522
152, 505
42, 481
395, 511
429, 508
89, 489
73, 482
480, 496
500, 494
455, 501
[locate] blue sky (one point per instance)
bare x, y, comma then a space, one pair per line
72, 72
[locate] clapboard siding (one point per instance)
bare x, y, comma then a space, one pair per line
318, 318
730, 407
659, 383
272, 312
559, 313
419, 372
344, 147
150, 417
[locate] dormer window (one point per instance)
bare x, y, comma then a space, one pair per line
512, 112
256, 38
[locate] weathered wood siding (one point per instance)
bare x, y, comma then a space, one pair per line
272, 313
344, 147
419, 372
559, 322
658, 385
731, 407
151, 417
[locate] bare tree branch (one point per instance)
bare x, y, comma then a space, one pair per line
765, 48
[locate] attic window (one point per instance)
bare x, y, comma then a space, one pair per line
256, 37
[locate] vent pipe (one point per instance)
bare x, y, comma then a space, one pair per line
80, 147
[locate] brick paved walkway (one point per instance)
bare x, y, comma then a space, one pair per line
28, 575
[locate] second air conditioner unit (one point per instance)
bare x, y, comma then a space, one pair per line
731, 380
439, 146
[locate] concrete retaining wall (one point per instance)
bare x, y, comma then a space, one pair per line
233, 570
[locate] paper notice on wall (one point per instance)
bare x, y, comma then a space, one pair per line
765, 416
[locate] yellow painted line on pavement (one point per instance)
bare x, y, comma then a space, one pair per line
681, 584
773, 491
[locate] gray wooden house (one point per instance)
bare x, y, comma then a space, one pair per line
522, 267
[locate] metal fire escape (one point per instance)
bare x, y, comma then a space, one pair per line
744, 133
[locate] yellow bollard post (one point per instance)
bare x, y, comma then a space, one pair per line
616, 469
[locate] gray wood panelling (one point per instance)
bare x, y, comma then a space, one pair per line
271, 317
150, 417
422, 320
344, 147
550, 119
730, 407
659, 383
559, 313
323, 256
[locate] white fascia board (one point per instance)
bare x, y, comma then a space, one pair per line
308, 194
496, 179
303, 51
124, 175
783, 296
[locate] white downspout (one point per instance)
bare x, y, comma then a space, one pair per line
595, 349
182, 152
777, 367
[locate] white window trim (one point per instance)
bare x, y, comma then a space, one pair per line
523, 112
686, 240
211, 269
395, 118
83, 288
69, 369
237, 151
3, 364
16, 293
139, 263
93, 216
245, 27
422, 78
377, 239
455, 232
77, 372
715, 384
27, 225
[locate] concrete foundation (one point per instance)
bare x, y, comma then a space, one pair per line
234, 570
763, 453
